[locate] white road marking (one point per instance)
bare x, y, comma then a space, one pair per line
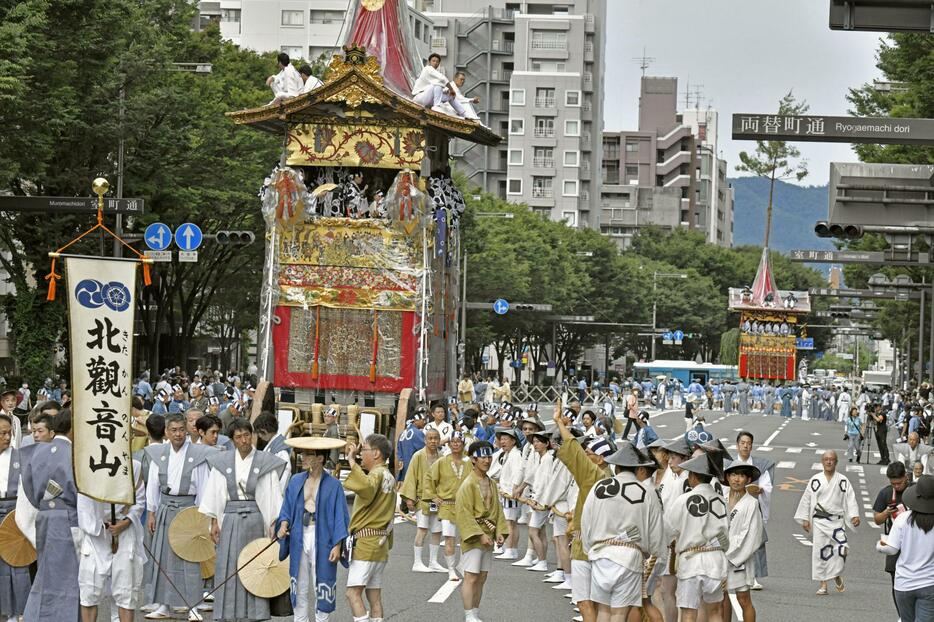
764, 449
812, 444
793, 450
737, 610
785, 465
817, 466
815, 433
802, 539
444, 591
769, 440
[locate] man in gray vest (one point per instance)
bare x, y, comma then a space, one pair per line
242, 498
14, 582
728, 390
742, 390
768, 399
178, 473
46, 512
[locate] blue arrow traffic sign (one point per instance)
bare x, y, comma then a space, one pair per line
678, 335
500, 307
158, 236
188, 237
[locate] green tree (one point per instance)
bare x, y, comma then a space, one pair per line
729, 347
775, 159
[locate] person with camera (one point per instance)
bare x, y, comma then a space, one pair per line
853, 434
912, 536
887, 507
878, 421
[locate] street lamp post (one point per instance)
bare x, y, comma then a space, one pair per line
664, 275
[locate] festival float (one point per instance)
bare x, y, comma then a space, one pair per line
769, 322
361, 282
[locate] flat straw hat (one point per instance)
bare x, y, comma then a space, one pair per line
15, 548
190, 536
310, 443
262, 574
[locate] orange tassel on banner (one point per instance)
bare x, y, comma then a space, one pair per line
51, 295
147, 276
375, 345
314, 364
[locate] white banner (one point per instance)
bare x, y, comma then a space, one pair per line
101, 304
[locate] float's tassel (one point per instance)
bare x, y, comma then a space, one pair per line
147, 276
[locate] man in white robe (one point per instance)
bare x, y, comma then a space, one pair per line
507, 469
287, 83
242, 498
552, 486
103, 572
621, 525
465, 102
432, 88
311, 82
827, 505
746, 530
697, 519
760, 489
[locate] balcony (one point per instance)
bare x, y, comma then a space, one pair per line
439, 45
503, 46
611, 153
544, 102
588, 52
588, 81
543, 162
539, 192
590, 23
500, 75
544, 132
549, 44
584, 196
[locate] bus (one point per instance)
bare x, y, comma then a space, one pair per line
685, 371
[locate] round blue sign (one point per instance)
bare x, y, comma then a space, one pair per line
500, 307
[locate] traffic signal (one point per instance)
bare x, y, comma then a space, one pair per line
824, 229
840, 314
529, 307
239, 238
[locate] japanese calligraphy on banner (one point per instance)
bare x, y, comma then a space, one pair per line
100, 314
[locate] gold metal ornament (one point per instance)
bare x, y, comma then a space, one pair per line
100, 186
373, 5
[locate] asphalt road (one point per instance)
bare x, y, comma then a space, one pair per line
514, 594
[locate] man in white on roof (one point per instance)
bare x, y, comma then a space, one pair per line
311, 81
465, 102
433, 88
287, 83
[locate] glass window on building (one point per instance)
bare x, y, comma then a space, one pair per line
516, 157
517, 126
230, 15
572, 98
544, 127
513, 186
572, 158
632, 172
544, 157
293, 18
548, 66
570, 188
545, 98
572, 127
326, 17
517, 97
632, 146
295, 52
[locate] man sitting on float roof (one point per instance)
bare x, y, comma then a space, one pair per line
433, 88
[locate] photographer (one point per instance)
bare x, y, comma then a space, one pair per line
887, 506
877, 419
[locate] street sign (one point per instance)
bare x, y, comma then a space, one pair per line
159, 255
864, 293
158, 236
188, 237
69, 205
880, 16
678, 336
569, 318
813, 128
187, 256
804, 343
667, 338
837, 256
500, 307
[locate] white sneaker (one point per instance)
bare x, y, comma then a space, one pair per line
578, 618
497, 551
149, 608
568, 595
161, 612
555, 577
419, 566
565, 585
756, 585
509, 555
525, 562
208, 597
205, 606
540, 566
435, 567
194, 616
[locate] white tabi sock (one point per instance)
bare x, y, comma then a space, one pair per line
418, 553
365, 618
433, 553
450, 560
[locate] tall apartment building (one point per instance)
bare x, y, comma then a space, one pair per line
300, 28
666, 173
538, 69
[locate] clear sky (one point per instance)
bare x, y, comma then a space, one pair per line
747, 54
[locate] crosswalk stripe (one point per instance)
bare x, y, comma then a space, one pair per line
793, 450
444, 592
785, 465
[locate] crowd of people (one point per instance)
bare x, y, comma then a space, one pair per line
640, 526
